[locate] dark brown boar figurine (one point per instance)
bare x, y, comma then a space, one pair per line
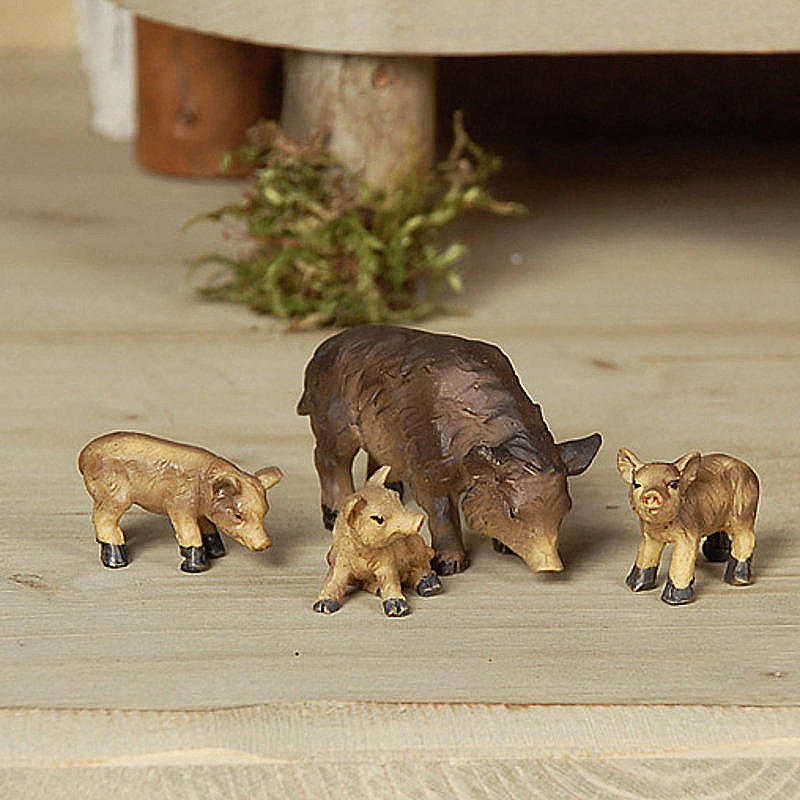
680, 503
451, 418
200, 492
377, 546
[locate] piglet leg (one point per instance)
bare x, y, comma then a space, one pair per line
645, 569
420, 575
738, 571
394, 603
332, 592
113, 550
187, 531
212, 541
679, 588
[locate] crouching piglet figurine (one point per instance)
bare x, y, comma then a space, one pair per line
680, 503
200, 492
377, 546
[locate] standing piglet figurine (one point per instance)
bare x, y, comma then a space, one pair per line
680, 503
200, 492
377, 546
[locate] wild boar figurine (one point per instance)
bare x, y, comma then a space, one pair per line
377, 547
680, 503
201, 493
451, 419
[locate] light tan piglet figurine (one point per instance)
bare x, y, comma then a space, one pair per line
682, 502
377, 546
200, 492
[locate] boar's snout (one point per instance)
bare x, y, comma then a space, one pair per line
540, 553
548, 562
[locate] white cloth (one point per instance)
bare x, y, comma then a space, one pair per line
108, 42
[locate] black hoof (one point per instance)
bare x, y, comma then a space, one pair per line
640, 580
396, 607
114, 556
429, 585
717, 547
675, 596
213, 545
327, 605
449, 566
739, 573
501, 548
194, 559
395, 486
328, 517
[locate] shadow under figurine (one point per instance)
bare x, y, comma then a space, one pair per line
201, 493
451, 418
377, 547
680, 503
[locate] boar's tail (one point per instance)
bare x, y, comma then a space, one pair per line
302, 408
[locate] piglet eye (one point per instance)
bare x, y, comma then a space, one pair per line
378, 518
637, 485
674, 484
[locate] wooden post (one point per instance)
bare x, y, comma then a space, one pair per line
379, 109
198, 94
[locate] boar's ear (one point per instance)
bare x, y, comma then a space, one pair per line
378, 478
687, 466
268, 476
627, 464
577, 454
225, 488
352, 508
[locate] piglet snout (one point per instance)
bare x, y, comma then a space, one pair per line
652, 500
261, 543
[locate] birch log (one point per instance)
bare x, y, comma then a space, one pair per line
379, 110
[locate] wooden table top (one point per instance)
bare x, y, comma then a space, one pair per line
649, 294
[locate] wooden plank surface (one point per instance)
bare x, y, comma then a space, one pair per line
333, 750
650, 294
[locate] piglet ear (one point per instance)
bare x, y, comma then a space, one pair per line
577, 454
352, 508
378, 478
269, 476
688, 466
225, 488
627, 463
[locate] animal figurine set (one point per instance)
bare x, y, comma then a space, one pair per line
446, 419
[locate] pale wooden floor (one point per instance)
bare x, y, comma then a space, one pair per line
651, 294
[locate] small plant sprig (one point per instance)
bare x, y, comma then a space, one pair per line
326, 248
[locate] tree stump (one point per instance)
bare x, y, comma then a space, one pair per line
198, 94
379, 110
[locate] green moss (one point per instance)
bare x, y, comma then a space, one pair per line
323, 247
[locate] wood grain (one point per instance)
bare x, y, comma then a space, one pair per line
640, 279
406, 750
